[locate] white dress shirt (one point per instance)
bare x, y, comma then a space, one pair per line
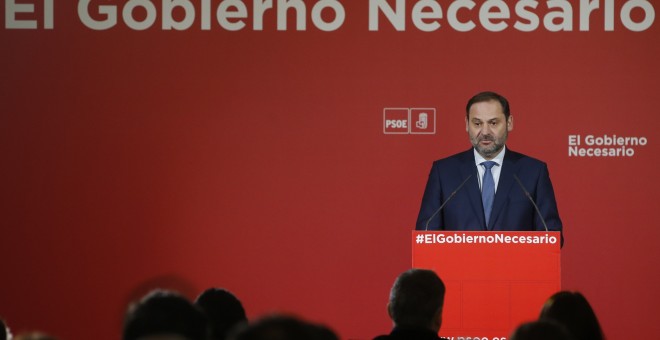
496, 170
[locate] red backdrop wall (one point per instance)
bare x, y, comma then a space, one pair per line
256, 159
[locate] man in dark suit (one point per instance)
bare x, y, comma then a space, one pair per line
490, 198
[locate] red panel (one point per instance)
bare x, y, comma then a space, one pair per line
494, 282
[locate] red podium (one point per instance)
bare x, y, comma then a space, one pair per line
494, 280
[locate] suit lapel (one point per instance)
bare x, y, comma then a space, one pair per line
472, 187
504, 185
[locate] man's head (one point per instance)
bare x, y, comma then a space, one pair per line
4, 334
164, 314
281, 327
416, 300
572, 310
223, 310
541, 330
488, 122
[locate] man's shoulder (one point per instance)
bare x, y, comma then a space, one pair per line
458, 158
522, 159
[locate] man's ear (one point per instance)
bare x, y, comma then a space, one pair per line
509, 123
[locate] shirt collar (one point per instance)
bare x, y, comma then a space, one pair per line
498, 159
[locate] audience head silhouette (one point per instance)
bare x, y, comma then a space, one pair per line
4, 332
164, 315
572, 310
223, 310
415, 305
277, 327
416, 300
541, 330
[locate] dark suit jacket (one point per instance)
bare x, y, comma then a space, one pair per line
512, 210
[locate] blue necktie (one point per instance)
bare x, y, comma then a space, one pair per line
488, 190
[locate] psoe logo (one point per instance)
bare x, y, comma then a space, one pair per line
404, 121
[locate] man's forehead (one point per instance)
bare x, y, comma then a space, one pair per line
487, 110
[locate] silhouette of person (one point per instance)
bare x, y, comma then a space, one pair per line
573, 311
164, 314
415, 306
541, 330
223, 310
279, 327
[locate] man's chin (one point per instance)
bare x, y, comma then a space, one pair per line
488, 152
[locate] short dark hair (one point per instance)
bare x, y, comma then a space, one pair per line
572, 310
487, 96
223, 310
541, 330
3, 330
416, 298
282, 327
164, 312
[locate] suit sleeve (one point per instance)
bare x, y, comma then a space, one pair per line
430, 202
547, 204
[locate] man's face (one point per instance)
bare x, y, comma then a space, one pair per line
488, 128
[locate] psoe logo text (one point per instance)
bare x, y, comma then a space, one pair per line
406, 121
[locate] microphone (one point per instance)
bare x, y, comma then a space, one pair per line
531, 200
426, 227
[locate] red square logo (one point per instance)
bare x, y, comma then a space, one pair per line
422, 121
